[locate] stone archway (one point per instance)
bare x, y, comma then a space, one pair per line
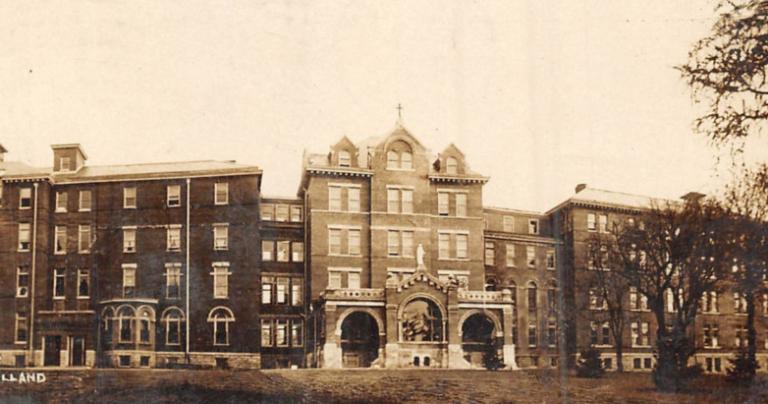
478, 332
359, 340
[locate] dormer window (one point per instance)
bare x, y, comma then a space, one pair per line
451, 165
65, 164
400, 156
345, 159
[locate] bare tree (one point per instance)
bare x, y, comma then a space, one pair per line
673, 259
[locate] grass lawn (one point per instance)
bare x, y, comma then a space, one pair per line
176, 386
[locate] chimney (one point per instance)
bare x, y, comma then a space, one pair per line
68, 157
3, 150
692, 197
580, 187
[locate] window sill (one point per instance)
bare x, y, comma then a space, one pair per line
83, 297
129, 207
22, 250
59, 298
20, 342
22, 297
221, 204
222, 249
173, 206
129, 252
60, 211
83, 210
60, 253
25, 207
175, 250
642, 346
84, 252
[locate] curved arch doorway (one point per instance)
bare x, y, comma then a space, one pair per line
476, 337
359, 340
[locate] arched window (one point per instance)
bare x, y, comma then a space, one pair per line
406, 160
512, 288
107, 319
221, 317
146, 320
532, 298
451, 165
125, 319
393, 159
421, 321
345, 159
172, 322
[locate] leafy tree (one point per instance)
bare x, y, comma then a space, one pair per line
743, 368
590, 364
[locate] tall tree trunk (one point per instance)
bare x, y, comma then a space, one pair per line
751, 334
619, 340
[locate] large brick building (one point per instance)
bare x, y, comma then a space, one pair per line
387, 257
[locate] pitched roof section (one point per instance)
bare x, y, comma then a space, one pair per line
599, 197
157, 170
19, 170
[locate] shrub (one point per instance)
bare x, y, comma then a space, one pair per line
590, 364
491, 359
742, 369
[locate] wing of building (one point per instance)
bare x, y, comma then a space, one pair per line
386, 257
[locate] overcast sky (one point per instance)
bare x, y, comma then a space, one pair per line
540, 95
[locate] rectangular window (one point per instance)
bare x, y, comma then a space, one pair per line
283, 213
84, 238
60, 240
174, 239
393, 243
281, 332
21, 329
282, 290
221, 193
591, 222
129, 240
510, 255
129, 198
334, 280
267, 285
266, 332
173, 195
59, 277
61, 201
83, 283
462, 241
640, 334
442, 204
334, 199
353, 242
334, 241
532, 340
22, 281
267, 212
533, 226
353, 199
407, 242
461, 205
603, 223
129, 280
508, 223
297, 333
297, 292
551, 333
550, 260
172, 281
407, 201
530, 256
444, 242
24, 237
172, 330
25, 198
393, 200
296, 214
283, 251
220, 281
353, 280
297, 251
220, 237
86, 201
65, 164
267, 250
490, 253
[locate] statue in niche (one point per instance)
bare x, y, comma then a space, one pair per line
420, 256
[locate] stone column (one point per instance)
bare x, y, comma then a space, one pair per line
391, 351
455, 352
509, 345
332, 355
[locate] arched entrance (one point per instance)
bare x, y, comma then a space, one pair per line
359, 340
477, 334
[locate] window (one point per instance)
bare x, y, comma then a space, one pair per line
83, 283
393, 200
334, 199
442, 203
353, 280
129, 198
353, 241
490, 253
530, 256
345, 159
296, 214
353, 199
550, 260
267, 286
84, 238
444, 242
461, 205
462, 241
173, 280
144, 325
173, 195
739, 303
267, 250
281, 332
59, 277
267, 211
281, 296
406, 160
334, 280
637, 300
407, 200
532, 340
533, 226
709, 302
61, 201
334, 241
129, 240
740, 340
393, 243
221, 317
129, 280
172, 322
266, 332
86, 201
508, 223
22, 281
591, 222
221, 237
220, 280
393, 160
711, 334
21, 329
60, 240
451, 165
297, 292
65, 164
510, 254
221, 193
174, 238
600, 333
283, 251
297, 251
24, 237
597, 299
297, 333
125, 323
603, 223
640, 334
25, 198
283, 213
551, 333
407, 243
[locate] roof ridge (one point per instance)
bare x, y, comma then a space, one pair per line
162, 162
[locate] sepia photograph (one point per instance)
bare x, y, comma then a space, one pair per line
384, 201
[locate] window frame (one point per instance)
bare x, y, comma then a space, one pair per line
62, 201
59, 290
60, 239
127, 248
217, 191
21, 272
174, 196
24, 228
83, 274
80, 200
220, 275
88, 230
127, 197
25, 198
